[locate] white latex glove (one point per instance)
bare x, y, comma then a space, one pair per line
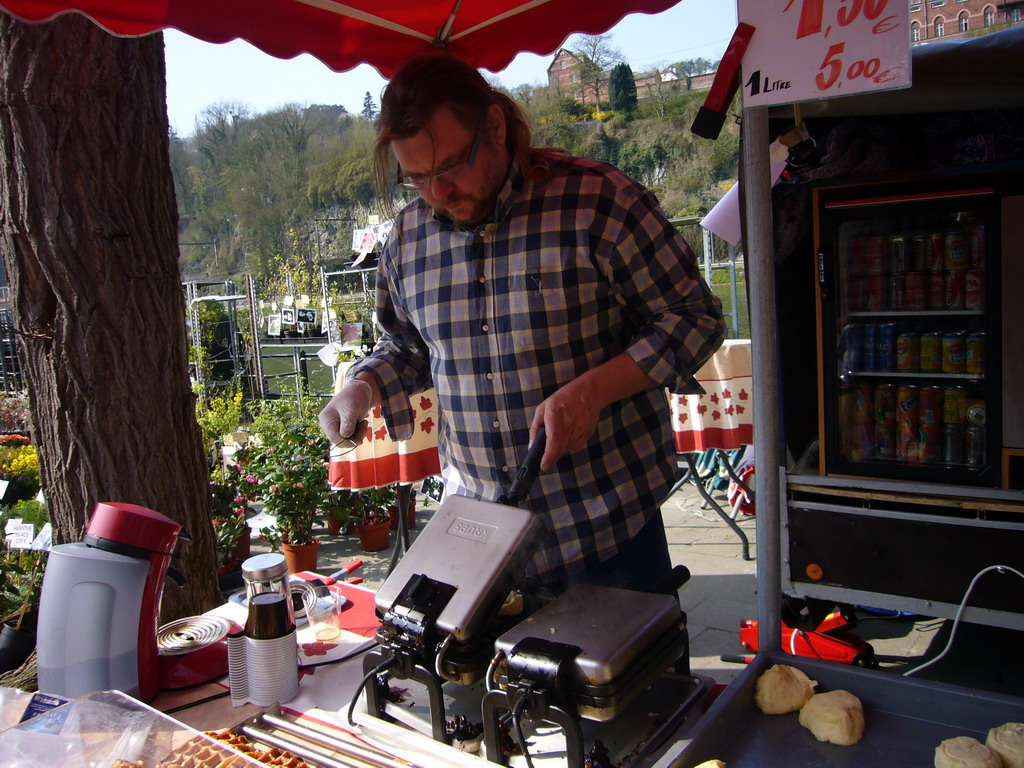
343, 419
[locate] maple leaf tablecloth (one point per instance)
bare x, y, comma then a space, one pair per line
723, 417
381, 460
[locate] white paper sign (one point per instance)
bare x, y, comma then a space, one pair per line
19, 535
816, 49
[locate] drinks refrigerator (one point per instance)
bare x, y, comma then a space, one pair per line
910, 307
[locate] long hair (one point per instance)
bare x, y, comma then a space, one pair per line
431, 80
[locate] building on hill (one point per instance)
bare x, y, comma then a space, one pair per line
932, 20
564, 76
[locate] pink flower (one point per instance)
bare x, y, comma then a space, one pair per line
250, 478
273, 489
298, 485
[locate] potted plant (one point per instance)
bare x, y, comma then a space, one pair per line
19, 466
338, 510
373, 522
230, 509
287, 471
21, 576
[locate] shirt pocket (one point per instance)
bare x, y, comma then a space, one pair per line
540, 308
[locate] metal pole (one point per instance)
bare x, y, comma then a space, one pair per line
258, 392
756, 182
733, 293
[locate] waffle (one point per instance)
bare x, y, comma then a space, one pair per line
200, 753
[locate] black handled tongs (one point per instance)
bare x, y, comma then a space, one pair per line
527, 472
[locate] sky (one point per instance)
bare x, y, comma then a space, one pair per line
201, 74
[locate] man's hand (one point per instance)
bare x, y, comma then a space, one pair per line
571, 414
569, 418
343, 419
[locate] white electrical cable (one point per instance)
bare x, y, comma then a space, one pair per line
960, 611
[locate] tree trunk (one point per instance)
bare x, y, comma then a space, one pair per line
88, 231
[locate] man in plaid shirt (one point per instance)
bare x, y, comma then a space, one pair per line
531, 289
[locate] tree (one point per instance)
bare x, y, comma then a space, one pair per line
692, 67
89, 240
622, 88
596, 55
369, 112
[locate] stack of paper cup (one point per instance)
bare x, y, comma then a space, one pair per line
263, 666
273, 669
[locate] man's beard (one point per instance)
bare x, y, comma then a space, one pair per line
480, 205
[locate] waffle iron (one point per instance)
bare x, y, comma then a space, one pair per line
439, 606
586, 654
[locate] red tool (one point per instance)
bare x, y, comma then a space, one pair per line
828, 641
352, 566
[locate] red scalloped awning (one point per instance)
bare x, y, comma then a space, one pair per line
382, 33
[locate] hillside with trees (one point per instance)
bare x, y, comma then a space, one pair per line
280, 192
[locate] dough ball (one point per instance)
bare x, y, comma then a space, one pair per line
711, 764
781, 689
965, 752
836, 717
1007, 741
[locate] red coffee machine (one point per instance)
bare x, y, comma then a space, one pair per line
100, 604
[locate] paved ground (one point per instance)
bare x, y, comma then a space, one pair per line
722, 591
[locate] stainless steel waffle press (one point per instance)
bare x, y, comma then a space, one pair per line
585, 655
439, 606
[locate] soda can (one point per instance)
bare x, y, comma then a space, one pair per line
937, 290
918, 253
875, 256
885, 402
974, 445
877, 292
976, 414
929, 405
935, 252
862, 401
899, 258
953, 443
908, 351
885, 440
930, 443
864, 440
869, 355
930, 357
957, 256
955, 288
858, 292
852, 347
953, 405
885, 347
855, 255
915, 290
907, 404
906, 441
976, 246
974, 353
895, 291
954, 352
974, 289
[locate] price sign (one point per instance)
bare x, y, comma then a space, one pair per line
815, 49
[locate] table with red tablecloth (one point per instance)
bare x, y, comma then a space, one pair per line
720, 420
380, 460
723, 417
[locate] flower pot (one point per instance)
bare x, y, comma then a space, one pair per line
301, 557
243, 546
334, 525
16, 646
374, 537
410, 516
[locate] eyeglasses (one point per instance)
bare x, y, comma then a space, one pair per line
452, 174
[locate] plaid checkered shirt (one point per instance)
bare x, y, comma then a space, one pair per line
567, 274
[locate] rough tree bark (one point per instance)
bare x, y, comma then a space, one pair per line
88, 231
